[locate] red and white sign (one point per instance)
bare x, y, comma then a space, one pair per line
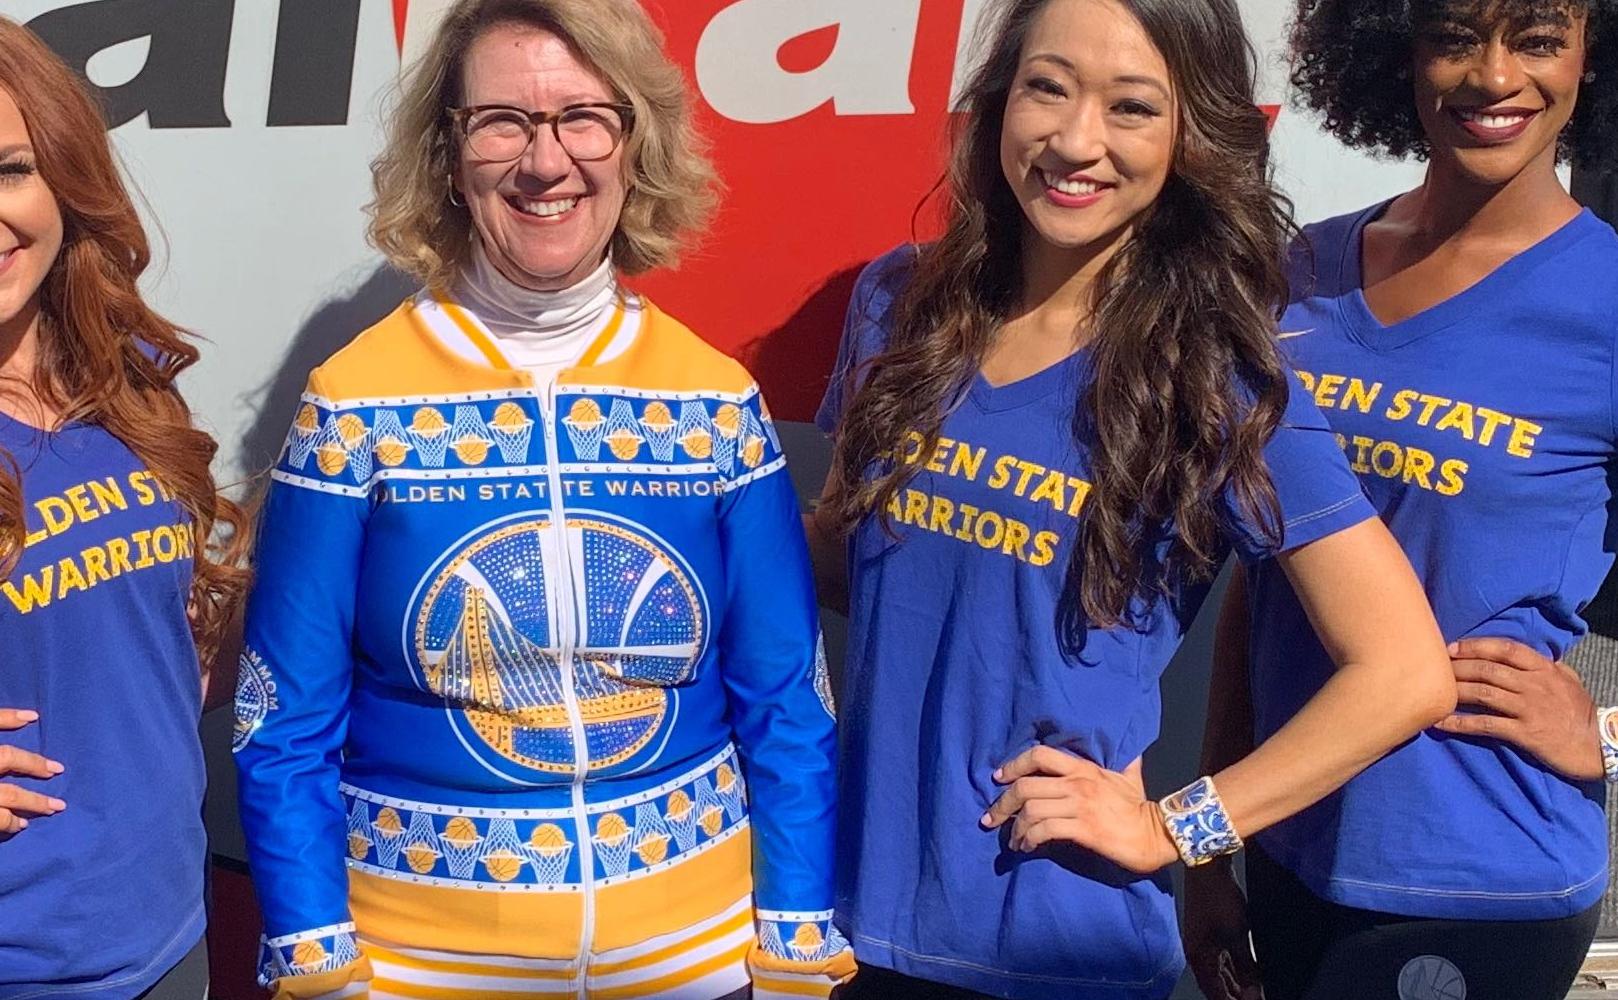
250, 126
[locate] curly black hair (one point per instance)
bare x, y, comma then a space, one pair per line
1351, 66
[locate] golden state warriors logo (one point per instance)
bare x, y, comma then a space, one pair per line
518, 619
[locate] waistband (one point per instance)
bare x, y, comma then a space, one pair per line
536, 850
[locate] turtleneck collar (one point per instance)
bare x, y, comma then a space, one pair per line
514, 313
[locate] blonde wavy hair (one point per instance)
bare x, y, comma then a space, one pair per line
672, 183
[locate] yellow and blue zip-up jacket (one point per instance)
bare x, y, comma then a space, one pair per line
534, 672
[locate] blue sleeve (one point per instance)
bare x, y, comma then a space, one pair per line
292, 699
865, 331
780, 708
1318, 493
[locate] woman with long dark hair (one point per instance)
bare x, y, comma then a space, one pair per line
1461, 340
111, 588
1052, 425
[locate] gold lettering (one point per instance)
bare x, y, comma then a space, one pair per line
991, 539
1524, 435
1460, 418
1326, 391
1360, 396
1430, 404
69, 578
1002, 472
1493, 420
1452, 483
118, 552
967, 460
1390, 450
36, 590
95, 564
1418, 464
1052, 489
1017, 538
1401, 404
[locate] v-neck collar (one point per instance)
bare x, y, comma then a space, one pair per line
1029, 389
1478, 300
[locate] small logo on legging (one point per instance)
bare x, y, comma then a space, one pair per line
1429, 977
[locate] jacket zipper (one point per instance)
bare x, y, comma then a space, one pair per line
565, 615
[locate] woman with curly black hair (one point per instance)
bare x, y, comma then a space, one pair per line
1460, 339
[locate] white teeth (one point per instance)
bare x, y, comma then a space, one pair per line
1492, 121
1076, 188
545, 209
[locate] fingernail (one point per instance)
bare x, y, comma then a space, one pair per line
999, 773
28, 715
58, 804
55, 767
985, 819
1454, 648
22, 824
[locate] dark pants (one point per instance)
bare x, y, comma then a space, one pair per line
186, 981
1311, 949
876, 983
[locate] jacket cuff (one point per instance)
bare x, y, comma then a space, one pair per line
798, 955
324, 962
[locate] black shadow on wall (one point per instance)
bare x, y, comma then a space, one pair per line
325, 332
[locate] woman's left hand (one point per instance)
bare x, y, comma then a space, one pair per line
1529, 701
1054, 795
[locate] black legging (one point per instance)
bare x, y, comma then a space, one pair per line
1311, 949
876, 983
186, 981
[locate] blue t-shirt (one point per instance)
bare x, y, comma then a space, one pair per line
1483, 431
955, 666
99, 901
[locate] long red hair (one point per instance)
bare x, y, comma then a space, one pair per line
105, 357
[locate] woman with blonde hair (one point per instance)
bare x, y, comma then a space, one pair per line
532, 698
109, 589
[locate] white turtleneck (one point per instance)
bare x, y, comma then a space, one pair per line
544, 332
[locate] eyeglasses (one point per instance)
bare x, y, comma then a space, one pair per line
587, 132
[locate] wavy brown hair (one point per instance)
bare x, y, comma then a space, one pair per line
105, 357
1187, 383
671, 181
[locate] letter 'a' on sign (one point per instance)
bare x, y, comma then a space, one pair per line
182, 84
868, 72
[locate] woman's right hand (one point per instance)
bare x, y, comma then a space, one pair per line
1215, 933
1528, 700
16, 804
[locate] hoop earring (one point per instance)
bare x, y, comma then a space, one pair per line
452, 193
1590, 77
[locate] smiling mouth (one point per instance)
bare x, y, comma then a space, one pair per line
1072, 188
1496, 126
550, 208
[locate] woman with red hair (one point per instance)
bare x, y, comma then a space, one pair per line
111, 596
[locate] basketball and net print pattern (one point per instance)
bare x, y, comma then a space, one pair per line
349, 449
537, 850
309, 953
